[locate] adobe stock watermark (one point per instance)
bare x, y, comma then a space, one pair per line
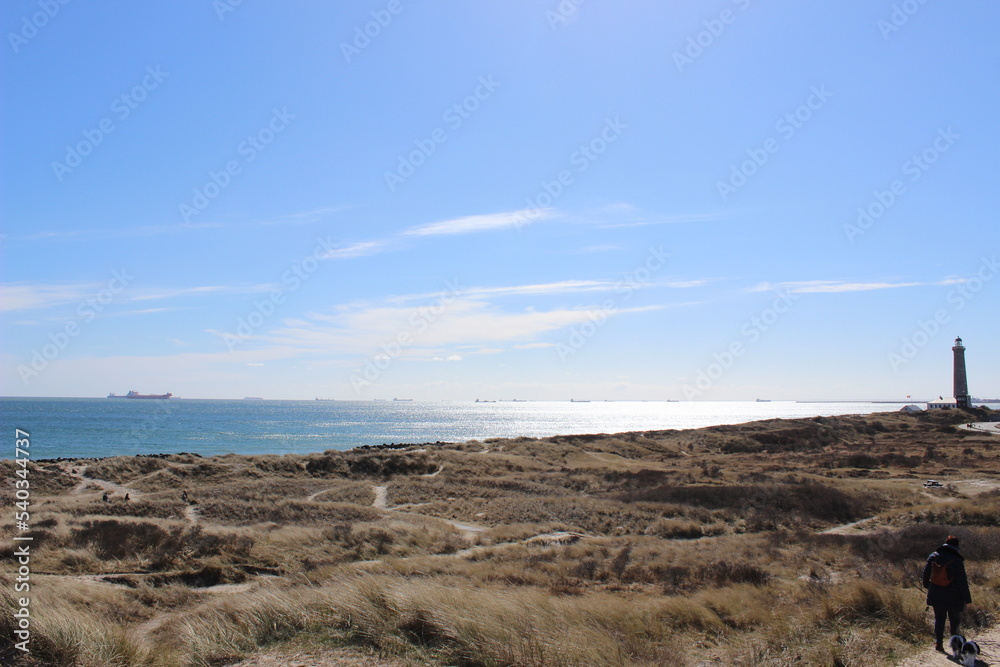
291, 280
31, 24
624, 289
86, 312
363, 35
750, 332
914, 168
248, 150
563, 12
418, 323
698, 43
454, 116
580, 160
223, 7
900, 16
121, 108
786, 126
956, 299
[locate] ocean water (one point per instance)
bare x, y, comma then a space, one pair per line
97, 427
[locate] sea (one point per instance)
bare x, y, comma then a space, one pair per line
101, 427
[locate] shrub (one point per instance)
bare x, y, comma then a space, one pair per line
109, 538
675, 529
724, 572
775, 500
861, 461
866, 602
119, 540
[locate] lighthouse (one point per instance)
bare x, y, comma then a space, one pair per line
961, 381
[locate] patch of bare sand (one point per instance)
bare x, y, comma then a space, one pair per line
435, 473
862, 527
381, 497
340, 657
989, 644
321, 492
105, 485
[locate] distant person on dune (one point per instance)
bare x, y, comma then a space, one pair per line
947, 588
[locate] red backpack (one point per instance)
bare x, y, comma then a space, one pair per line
939, 573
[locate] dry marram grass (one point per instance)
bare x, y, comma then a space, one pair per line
649, 548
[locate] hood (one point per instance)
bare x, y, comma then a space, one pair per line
948, 551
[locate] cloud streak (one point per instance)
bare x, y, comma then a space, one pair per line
553, 288
833, 286
479, 223
14, 297
470, 224
359, 328
40, 296
305, 217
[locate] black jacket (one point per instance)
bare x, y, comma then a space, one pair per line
957, 592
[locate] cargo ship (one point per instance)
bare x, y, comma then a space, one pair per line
135, 394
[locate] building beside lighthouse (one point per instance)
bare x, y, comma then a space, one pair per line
960, 383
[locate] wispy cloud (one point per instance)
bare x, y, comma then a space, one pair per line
831, 286
678, 219
41, 295
145, 311
479, 223
359, 328
37, 296
170, 293
360, 249
464, 225
539, 289
305, 217
124, 232
545, 289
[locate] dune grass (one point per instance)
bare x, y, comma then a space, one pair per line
684, 546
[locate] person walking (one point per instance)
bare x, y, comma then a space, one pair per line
947, 588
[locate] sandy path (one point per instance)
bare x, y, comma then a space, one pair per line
110, 487
320, 493
983, 427
333, 657
466, 527
381, 497
853, 528
972, 487
192, 513
989, 644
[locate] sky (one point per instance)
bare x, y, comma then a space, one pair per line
532, 199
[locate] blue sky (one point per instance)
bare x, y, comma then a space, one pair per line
533, 199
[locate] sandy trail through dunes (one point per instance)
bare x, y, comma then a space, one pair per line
381, 497
989, 644
110, 487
